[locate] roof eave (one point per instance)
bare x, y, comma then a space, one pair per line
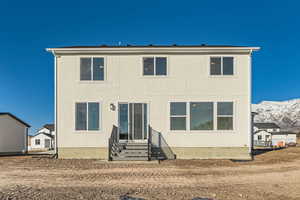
153, 50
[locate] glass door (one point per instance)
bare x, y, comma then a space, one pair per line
133, 121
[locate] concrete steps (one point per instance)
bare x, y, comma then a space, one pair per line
131, 151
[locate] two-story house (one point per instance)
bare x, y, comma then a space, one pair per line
126, 102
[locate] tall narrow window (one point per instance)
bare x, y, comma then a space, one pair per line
221, 66
92, 69
98, 69
87, 116
81, 116
225, 115
155, 66
85, 69
93, 117
201, 116
161, 66
178, 116
215, 66
148, 66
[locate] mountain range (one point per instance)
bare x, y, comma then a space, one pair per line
286, 114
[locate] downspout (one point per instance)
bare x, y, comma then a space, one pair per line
55, 104
250, 103
26, 140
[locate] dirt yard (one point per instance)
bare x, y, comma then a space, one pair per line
272, 175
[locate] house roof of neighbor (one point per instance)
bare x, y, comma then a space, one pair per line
49, 126
14, 117
266, 125
282, 133
47, 134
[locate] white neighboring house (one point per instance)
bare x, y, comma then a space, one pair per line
44, 138
270, 134
13, 134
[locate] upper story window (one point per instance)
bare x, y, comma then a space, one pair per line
221, 66
154, 66
92, 69
87, 116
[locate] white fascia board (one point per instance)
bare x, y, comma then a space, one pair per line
154, 50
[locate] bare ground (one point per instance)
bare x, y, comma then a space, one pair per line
272, 175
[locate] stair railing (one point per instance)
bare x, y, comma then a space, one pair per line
149, 143
158, 146
113, 142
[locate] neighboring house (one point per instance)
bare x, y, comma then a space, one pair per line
44, 138
13, 134
144, 102
270, 134
266, 126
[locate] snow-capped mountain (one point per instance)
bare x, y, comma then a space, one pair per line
284, 113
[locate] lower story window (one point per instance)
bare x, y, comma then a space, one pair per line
201, 115
37, 141
87, 116
178, 116
225, 115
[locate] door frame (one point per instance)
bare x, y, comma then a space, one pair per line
147, 124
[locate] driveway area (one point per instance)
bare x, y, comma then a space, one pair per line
272, 175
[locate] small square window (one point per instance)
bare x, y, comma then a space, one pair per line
92, 69
37, 141
87, 116
221, 66
154, 66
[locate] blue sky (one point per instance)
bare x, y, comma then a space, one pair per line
28, 27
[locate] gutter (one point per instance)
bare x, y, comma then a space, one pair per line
55, 103
147, 50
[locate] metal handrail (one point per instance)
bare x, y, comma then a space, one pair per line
112, 141
159, 144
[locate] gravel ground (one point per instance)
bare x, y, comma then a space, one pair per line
272, 175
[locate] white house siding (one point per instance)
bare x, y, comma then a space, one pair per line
291, 138
42, 138
278, 138
188, 80
265, 136
12, 135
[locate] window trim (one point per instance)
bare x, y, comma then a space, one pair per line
92, 71
154, 75
215, 116
87, 117
214, 109
35, 143
222, 75
187, 118
233, 118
